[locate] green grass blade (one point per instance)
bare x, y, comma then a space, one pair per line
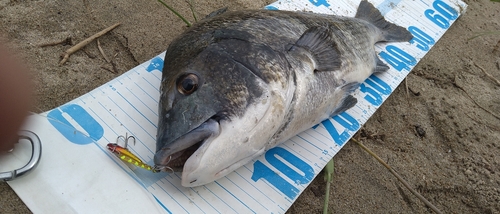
329, 169
176, 13
484, 33
191, 7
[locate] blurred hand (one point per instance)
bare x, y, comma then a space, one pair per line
15, 97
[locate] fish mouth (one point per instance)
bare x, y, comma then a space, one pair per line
173, 156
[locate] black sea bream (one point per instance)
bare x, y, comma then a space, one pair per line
239, 83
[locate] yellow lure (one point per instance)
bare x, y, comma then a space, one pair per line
125, 155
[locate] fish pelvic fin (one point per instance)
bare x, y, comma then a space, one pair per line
390, 32
350, 87
348, 102
317, 40
380, 66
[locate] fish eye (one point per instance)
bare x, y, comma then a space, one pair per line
187, 84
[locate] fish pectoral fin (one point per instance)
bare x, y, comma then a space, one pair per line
348, 102
390, 31
381, 66
317, 40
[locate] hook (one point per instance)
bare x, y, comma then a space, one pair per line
157, 168
125, 139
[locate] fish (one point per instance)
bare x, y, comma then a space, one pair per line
241, 82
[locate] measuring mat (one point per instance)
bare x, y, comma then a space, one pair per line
77, 174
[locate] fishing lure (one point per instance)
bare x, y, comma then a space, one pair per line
125, 155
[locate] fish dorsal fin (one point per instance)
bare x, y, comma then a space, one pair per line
317, 40
216, 13
390, 31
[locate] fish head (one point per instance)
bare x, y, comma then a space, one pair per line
215, 114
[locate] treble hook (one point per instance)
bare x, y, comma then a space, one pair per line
125, 139
157, 168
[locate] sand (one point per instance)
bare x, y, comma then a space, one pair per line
440, 128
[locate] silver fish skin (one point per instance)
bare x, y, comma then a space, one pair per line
239, 83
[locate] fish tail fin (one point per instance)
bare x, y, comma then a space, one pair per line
390, 31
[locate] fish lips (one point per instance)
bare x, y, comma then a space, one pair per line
183, 147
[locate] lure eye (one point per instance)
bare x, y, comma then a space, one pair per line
187, 84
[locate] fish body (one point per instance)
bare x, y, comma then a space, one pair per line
240, 83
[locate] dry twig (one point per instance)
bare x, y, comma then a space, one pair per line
102, 52
113, 65
85, 42
407, 90
425, 201
484, 123
487, 74
108, 69
474, 101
